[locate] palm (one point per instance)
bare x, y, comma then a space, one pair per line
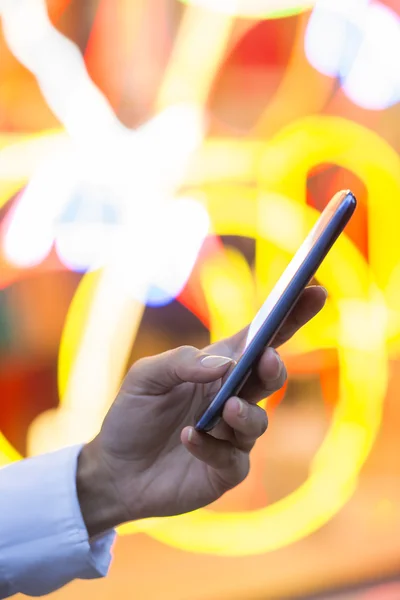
166, 470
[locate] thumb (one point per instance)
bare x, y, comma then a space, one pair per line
159, 374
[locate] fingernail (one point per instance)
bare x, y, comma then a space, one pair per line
191, 439
278, 365
213, 362
325, 291
241, 407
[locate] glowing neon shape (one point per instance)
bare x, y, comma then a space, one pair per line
180, 237
373, 81
359, 43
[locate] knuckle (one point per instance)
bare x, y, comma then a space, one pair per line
260, 420
239, 463
244, 470
138, 365
264, 422
280, 381
233, 458
185, 351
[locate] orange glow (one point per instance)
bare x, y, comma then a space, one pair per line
113, 127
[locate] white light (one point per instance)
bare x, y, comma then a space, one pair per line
58, 67
135, 176
27, 243
184, 229
162, 253
373, 81
29, 232
84, 239
85, 247
137, 170
166, 143
333, 32
358, 42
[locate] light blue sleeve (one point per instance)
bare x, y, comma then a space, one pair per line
43, 539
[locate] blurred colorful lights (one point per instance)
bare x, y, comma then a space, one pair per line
132, 208
358, 42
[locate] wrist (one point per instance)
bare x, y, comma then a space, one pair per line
97, 496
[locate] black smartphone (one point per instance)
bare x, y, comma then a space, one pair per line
281, 300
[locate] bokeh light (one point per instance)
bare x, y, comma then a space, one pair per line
160, 164
357, 42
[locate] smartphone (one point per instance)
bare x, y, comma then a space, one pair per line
282, 299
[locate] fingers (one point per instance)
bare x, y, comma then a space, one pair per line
159, 374
231, 463
307, 306
248, 422
265, 380
269, 376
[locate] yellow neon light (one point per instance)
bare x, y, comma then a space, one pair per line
346, 276
195, 58
223, 279
320, 139
104, 319
106, 336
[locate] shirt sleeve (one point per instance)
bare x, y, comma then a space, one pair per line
44, 543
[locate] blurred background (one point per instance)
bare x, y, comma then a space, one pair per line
160, 163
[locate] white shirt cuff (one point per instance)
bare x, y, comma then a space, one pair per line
44, 543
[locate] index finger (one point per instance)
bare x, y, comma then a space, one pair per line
310, 302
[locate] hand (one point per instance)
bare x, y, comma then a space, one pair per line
148, 461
